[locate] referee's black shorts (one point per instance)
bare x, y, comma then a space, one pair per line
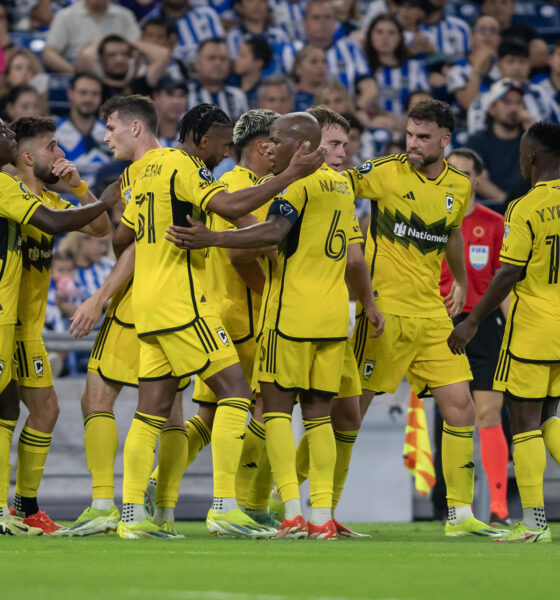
483, 350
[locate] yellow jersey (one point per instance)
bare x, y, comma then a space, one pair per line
532, 241
17, 205
411, 219
166, 292
357, 237
308, 297
36, 251
237, 305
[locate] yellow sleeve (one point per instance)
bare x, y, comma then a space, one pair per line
17, 203
355, 235
366, 180
518, 240
60, 204
290, 203
129, 215
196, 185
461, 213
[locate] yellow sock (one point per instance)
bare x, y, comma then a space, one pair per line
227, 444
281, 450
198, 436
261, 486
138, 456
457, 464
344, 445
551, 436
322, 458
529, 460
33, 449
253, 446
101, 441
6, 435
172, 458
302, 460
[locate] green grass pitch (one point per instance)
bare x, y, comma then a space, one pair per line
408, 561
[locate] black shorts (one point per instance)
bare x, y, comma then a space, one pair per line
484, 349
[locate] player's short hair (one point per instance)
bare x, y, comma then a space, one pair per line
131, 108
28, 128
328, 117
478, 163
253, 124
434, 111
82, 75
112, 38
547, 135
200, 119
511, 46
260, 49
276, 80
214, 40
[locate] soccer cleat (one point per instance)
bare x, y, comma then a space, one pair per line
11, 525
344, 531
276, 506
91, 521
521, 533
150, 497
327, 531
473, 526
266, 519
235, 523
168, 526
499, 522
145, 529
41, 520
294, 529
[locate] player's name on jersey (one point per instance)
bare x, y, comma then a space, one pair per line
151, 171
549, 213
334, 186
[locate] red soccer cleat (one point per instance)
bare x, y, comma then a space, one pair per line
344, 531
327, 531
41, 520
292, 529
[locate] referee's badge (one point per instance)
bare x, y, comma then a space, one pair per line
478, 256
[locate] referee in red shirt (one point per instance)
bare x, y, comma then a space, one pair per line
483, 232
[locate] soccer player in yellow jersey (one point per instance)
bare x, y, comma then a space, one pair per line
303, 343
528, 371
20, 207
180, 333
418, 203
39, 162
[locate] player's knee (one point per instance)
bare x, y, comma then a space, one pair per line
207, 414
487, 416
230, 383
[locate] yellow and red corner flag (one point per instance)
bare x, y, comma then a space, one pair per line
417, 452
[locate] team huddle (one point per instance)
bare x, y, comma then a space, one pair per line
244, 283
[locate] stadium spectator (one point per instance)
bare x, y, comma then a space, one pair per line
81, 134
551, 84
253, 56
448, 34
63, 294
349, 17
345, 59
28, 15
289, 14
194, 24
23, 68
411, 14
309, 73
23, 101
75, 27
498, 143
170, 98
478, 71
277, 93
396, 74
335, 95
254, 20
212, 68
513, 64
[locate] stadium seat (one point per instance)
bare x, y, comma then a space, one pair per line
59, 104
468, 11
34, 41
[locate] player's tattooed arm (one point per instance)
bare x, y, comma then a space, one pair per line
358, 278
455, 257
89, 312
59, 221
500, 287
270, 232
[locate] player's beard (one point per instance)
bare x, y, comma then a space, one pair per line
424, 161
44, 174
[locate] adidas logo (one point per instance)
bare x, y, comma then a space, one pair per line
251, 465
409, 196
240, 437
469, 465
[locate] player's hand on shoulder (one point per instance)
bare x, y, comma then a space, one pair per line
112, 193
85, 317
304, 163
67, 171
456, 299
377, 319
461, 336
190, 238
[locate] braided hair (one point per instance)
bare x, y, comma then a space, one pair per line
200, 119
